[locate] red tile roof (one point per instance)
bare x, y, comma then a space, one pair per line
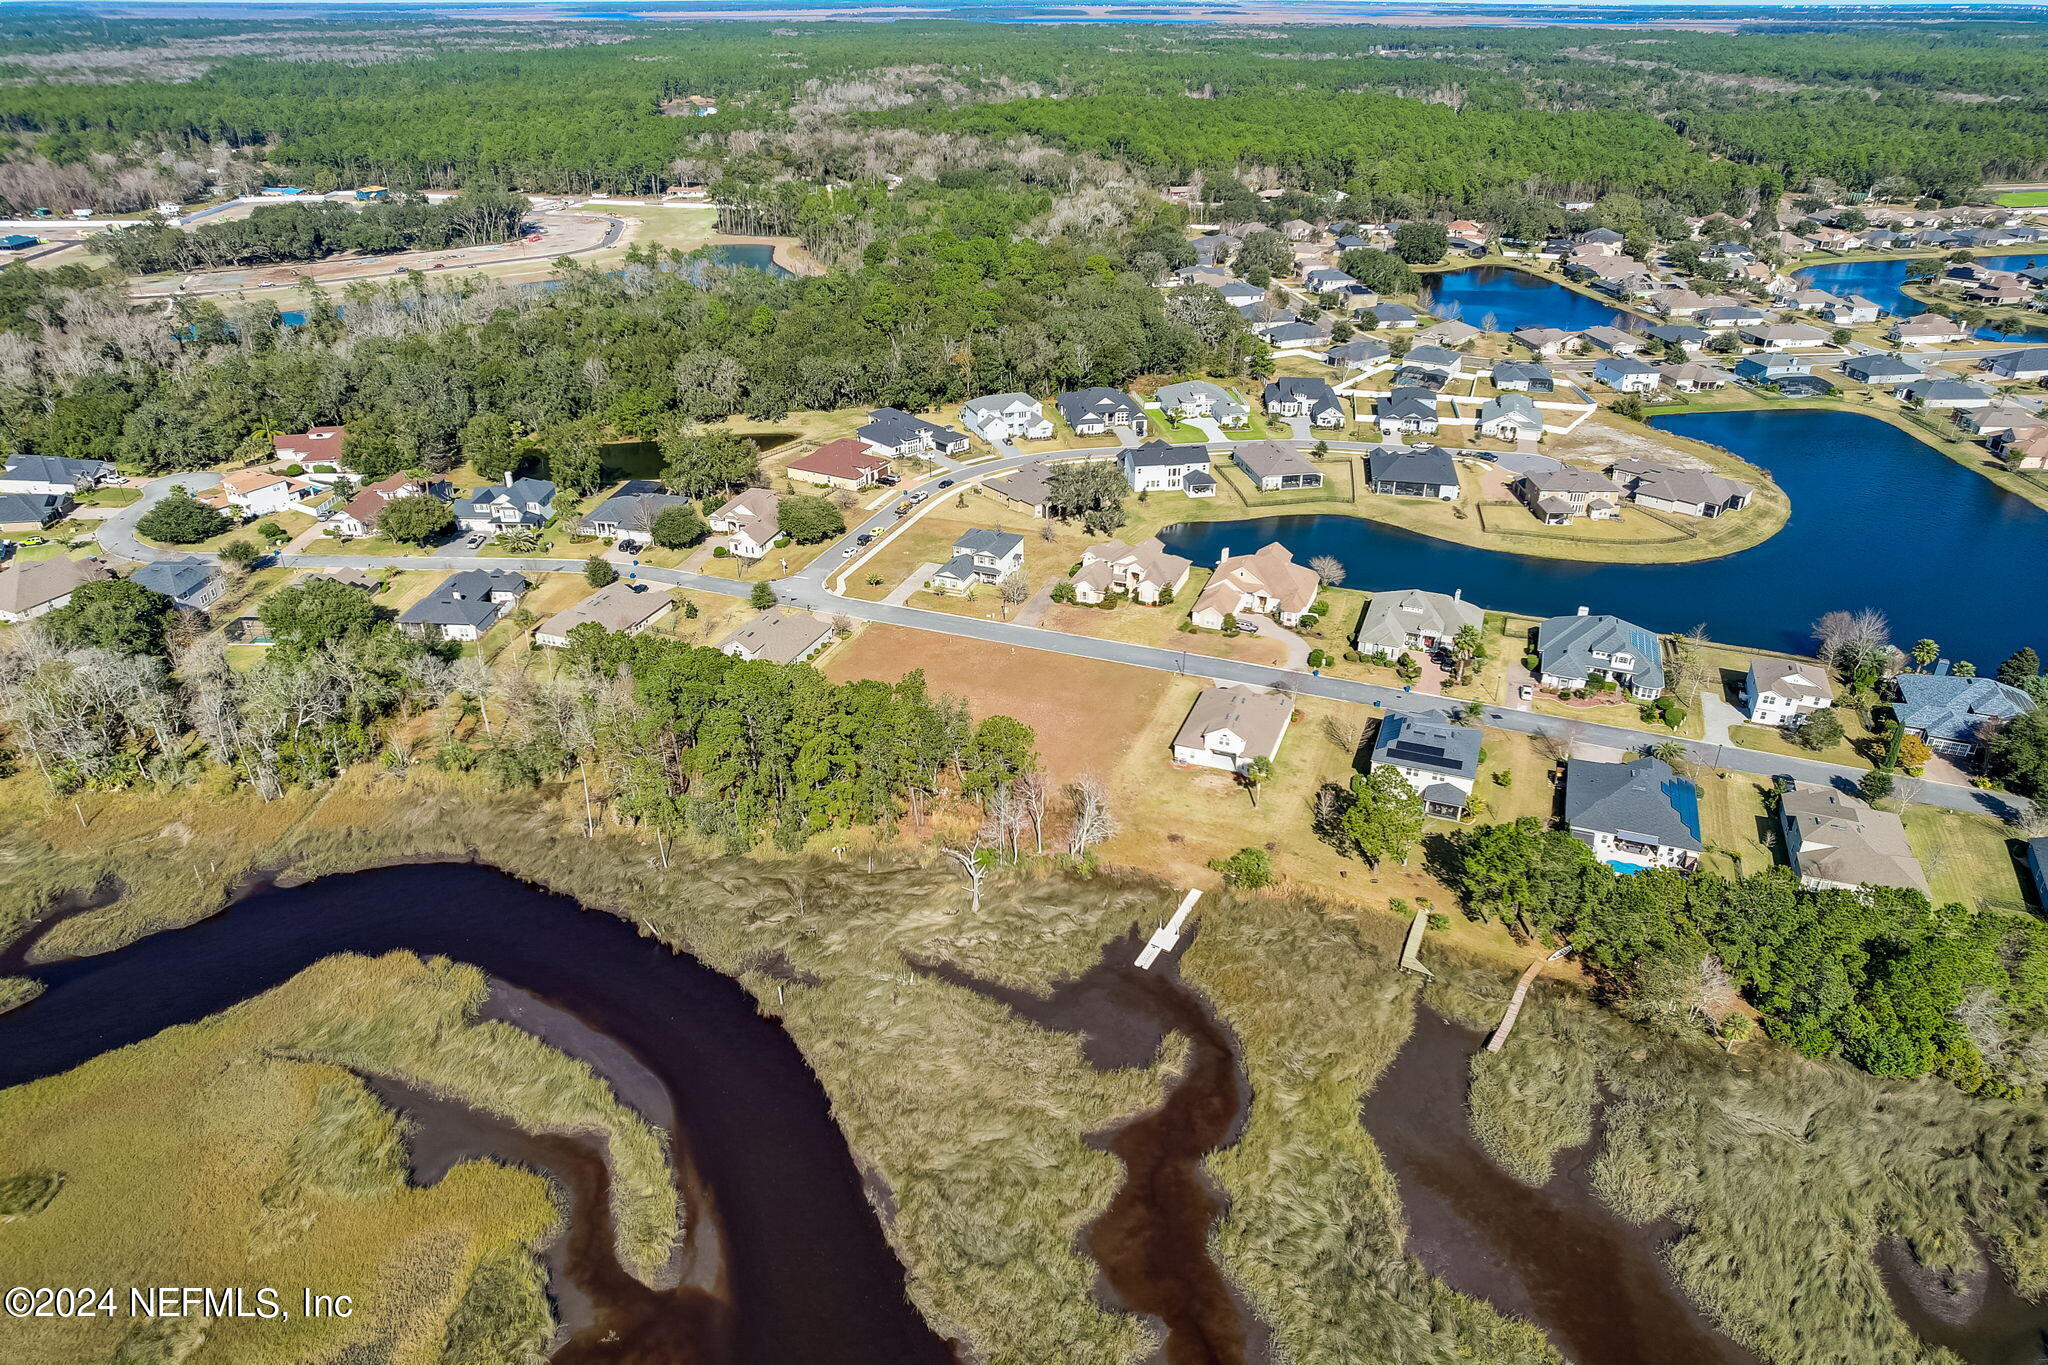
845, 458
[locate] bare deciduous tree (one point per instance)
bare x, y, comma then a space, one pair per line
1328, 568
1093, 821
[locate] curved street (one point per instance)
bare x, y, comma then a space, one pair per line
812, 588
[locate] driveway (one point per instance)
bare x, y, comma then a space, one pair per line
117, 534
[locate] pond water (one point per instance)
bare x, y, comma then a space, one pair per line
1516, 298
1880, 281
807, 1274
1878, 520
642, 459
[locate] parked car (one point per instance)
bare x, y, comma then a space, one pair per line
945, 483
1247, 626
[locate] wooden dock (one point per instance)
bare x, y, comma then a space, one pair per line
1411, 948
1507, 1021
1167, 937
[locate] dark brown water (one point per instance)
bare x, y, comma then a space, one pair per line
1152, 1242
1979, 1316
807, 1275
1555, 1256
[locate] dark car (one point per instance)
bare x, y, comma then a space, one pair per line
945, 483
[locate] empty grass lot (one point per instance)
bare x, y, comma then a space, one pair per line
1970, 859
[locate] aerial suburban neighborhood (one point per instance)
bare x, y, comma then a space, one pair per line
880, 687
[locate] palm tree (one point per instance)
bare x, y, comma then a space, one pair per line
1255, 772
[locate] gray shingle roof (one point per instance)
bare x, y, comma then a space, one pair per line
55, 469
1643, 799
463, 599
1944, 706
1097, 404
40, 508
1424, 465
176, 579
1568, 645
1429, 746
1391, 617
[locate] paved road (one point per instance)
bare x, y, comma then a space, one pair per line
808, 589
117, 533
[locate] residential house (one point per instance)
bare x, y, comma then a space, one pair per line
846, 463
1725, 316
2022, 449
2004, 290
618, 606
1693, 492
1439, 760
1928, 329
514, 504
1005, 417
1200, 399
1143, 572
1417, 472
630, 512
1675, 303
1694, 377
1449, 332
1879, 369
1633, 815
2000, 419
1362, 353
1835, 841
1613, 340
750, 521
1770, 367
1268, 583
1522, 376
359, 516
1555, 496
980, 556
1162, 467
1298, 230
1853, 311
1327, 281
1406, 411
1692, 338
262, 492
1946, 394
27, 590
1275, 465
780, 635
1785, 691
894, 432
192, 583
1573, 650
31, 512
1313, 399
2031, 363
1028, 487
1237, 293
53, 474
1953, 714
464, 605
1625, 374
1395, 316
317, 451
1211, 276
1599, 241
1511, 417
1228, 727
1414, 618
1295, 334
1096, 412
1438, 359
1549, 341
1781, 336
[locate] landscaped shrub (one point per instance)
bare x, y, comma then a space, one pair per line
720, 552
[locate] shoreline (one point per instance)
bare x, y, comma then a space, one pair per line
788, 252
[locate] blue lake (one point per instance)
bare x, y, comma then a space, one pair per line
1878, 520
1517, 298
1879, 282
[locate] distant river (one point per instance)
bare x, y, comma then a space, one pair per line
1880, 281
1516, 298
1878, 520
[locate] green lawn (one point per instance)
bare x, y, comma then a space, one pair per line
1969, 859
2024, 199
1735, 823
